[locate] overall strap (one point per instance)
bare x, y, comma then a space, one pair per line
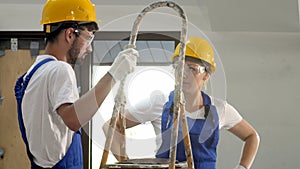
167, 114
28, 77
212, 119
20, 88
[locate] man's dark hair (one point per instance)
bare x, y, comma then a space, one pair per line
52, 30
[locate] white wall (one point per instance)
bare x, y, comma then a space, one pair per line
262, 71
20, 17
26, 17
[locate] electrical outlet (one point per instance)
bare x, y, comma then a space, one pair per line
14, 44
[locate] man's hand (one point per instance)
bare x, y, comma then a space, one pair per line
124, 64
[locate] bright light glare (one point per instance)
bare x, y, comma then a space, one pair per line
148, 80
140, 85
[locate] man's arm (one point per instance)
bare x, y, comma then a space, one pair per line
247, 133
79, 113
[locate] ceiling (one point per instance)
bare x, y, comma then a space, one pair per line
106, 2
229, 15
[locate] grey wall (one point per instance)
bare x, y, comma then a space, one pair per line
262, 73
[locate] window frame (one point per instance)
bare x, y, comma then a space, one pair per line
86, 75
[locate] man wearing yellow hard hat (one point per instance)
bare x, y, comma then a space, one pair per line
205, 115
50, 111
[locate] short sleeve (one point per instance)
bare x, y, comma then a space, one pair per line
63, 86
230, 117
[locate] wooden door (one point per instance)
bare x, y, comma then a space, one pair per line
12, 65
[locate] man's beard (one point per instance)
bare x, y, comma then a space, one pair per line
73, 53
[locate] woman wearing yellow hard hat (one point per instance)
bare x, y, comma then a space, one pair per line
49, 108
205, 115
198, 49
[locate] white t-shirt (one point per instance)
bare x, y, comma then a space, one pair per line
151, 110
52, 85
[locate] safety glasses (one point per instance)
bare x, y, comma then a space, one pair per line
84, 34
195, 69
192, 68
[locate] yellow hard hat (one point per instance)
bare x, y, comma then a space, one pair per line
68, 10
198, 48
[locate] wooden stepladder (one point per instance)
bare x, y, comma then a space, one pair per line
179, 111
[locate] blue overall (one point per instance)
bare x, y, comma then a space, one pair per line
204, 135
73, 157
